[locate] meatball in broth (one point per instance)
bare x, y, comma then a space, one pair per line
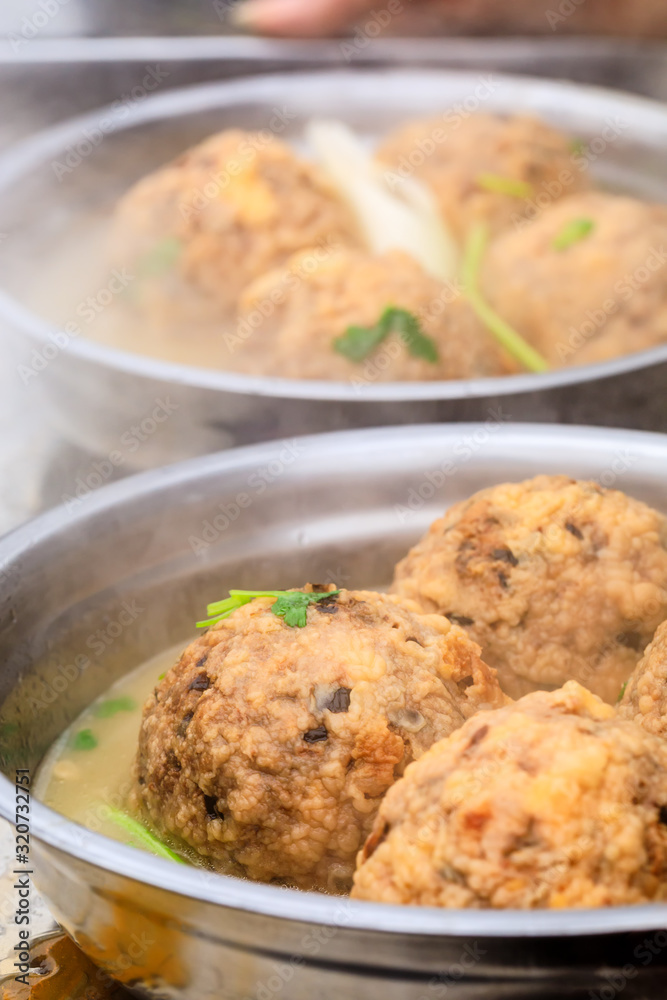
644, 698
269, 746
550, 803
198, 230
555, 579
485, 169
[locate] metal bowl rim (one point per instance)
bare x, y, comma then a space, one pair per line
30, 152
53, 830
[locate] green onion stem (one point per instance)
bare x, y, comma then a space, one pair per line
505, 334
143, 836
510, 186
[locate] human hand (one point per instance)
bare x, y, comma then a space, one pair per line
306, 18
312, 18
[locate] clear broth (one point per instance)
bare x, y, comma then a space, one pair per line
83, 782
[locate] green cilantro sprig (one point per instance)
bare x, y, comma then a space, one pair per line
290, 605
359, 342
140, 836
505, 334
498, 184
85, 739
106, 709
573, 232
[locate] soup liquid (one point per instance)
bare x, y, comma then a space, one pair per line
89, 768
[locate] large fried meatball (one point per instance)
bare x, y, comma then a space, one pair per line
465, 160
197, 231
555, 579
550, 803
601, 296
645, 696
268, 747
291, 317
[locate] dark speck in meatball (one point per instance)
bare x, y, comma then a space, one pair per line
505, 555
631, 640
201, 683
461, 620
327, 606
184, 723
340, 701
478, 736
316, 735
211, 806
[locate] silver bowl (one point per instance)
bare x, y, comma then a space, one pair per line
172, 932
97, 393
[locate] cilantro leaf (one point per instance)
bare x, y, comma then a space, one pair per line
114, 705
410, 329
622, 694
292, 609
359, 342
573, 232
291, 605
85, 739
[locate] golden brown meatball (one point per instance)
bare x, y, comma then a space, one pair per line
555, 579
198, 230
463, 158
291, 317
602, 296
645, 697
268, 747
550, 803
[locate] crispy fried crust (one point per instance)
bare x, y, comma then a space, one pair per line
453, 152
552, 802
602, 297
240, 204
645, 696
554, 579
268, 747
291, 317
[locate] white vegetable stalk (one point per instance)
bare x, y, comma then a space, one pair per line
404, 219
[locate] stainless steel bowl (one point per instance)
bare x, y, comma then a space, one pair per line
183, 933
98, 393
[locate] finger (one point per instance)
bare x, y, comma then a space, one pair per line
298, 17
